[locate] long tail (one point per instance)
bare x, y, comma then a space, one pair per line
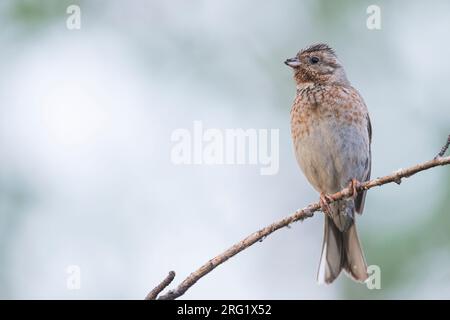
341, 250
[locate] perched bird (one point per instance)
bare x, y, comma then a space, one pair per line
331, 132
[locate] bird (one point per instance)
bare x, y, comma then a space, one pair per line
331, 134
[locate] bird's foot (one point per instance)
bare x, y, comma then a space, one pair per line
324, 201
354, 185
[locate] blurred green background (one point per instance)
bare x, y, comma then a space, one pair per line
85, 123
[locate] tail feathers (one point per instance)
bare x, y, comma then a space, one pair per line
331, 261
341, 250
355, 263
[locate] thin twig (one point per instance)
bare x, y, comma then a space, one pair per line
160, 287
444, 148
299, 215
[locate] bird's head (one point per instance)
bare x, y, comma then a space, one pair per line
317, 64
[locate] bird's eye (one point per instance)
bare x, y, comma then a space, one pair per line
314, 60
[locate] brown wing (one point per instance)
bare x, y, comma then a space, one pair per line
359, 201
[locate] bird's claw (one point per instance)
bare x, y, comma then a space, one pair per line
354, 185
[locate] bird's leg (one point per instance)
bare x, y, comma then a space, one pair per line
354, 184
324, 201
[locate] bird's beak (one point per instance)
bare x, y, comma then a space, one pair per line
292, 62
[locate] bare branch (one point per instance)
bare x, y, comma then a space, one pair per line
160, 287
444, 148
299, 215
